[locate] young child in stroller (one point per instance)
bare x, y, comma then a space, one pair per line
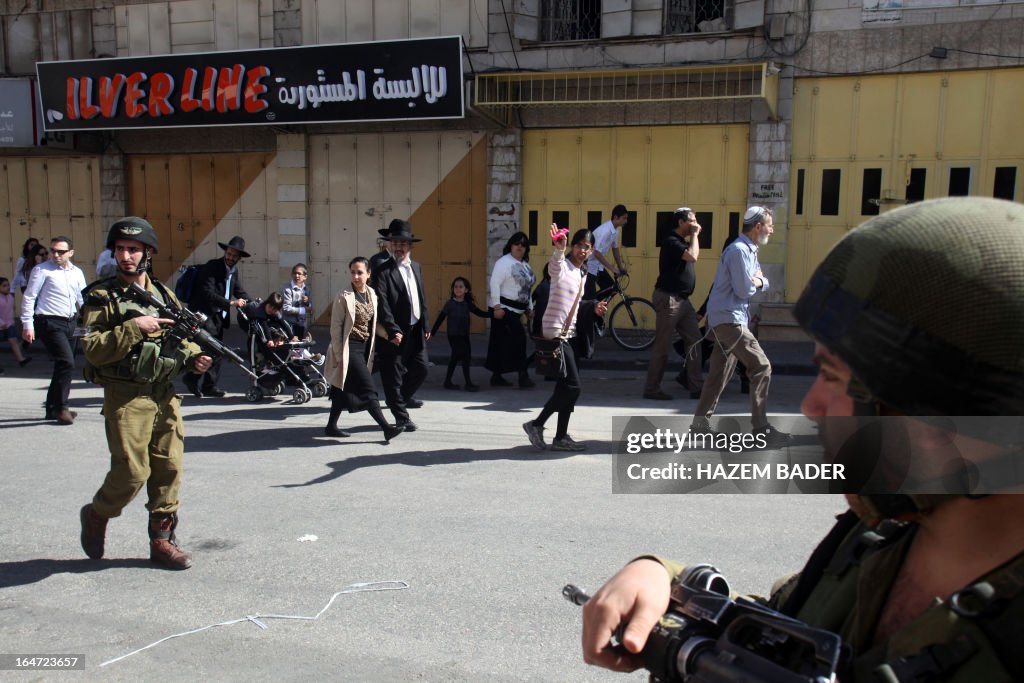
278, 357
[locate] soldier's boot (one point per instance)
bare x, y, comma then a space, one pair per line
163, 546
94, 532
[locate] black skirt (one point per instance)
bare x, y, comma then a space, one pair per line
506, 347
359, 390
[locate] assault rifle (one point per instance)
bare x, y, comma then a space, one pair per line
188, 325
707, 637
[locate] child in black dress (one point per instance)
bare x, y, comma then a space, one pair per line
457, 310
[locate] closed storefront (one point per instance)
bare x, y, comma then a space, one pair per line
43, 197
864, 145
575, 176
359, 183
195, 201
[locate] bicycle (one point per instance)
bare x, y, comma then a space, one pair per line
632, 320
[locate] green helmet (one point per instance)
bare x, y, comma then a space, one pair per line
133, 228
926, 305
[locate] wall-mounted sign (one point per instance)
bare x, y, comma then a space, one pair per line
379, 81
18, 120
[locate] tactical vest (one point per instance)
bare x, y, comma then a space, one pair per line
143, 364
976, 635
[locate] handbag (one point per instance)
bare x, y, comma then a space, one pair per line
549, 357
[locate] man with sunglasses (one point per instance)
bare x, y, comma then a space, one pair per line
52, 299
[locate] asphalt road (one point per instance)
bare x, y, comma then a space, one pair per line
484, 529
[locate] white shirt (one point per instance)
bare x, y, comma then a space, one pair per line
512, 279
405, 268
52, 291
606, 236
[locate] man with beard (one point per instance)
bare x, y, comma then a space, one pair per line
218, 289
917, 318
738, 278
124, 353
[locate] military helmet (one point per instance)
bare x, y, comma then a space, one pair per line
133, 228
925, 304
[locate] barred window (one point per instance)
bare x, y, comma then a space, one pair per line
691, 16
570, 20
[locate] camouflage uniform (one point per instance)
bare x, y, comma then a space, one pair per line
143, 416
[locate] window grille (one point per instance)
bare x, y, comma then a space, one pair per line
686, 16
570, 20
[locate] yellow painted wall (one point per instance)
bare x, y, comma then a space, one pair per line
650, 170
922, 132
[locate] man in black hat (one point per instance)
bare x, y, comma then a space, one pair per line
398, 282
218, 288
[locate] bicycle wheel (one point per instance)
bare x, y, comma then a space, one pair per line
632, 323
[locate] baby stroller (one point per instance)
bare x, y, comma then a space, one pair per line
282, 366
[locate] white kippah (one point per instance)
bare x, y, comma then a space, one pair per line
754, 214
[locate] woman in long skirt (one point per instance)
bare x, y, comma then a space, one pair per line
350, 357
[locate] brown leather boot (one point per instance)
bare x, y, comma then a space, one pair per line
94, 532
163, 547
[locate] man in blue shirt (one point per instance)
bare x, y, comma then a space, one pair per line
738, 278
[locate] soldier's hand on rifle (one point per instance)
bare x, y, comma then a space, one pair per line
149, 324
202, 363
639, 595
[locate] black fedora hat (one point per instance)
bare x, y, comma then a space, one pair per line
399, 230
236, 243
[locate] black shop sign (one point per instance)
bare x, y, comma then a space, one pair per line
379, 81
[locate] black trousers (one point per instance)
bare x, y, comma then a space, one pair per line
567, 389
402, 370
57, 335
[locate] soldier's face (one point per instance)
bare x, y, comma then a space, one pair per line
828, 396
129, 255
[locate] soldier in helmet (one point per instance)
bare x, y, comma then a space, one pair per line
143, 413
918, 315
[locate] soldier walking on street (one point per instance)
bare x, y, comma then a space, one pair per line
124, 354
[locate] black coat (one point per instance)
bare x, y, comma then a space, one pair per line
208, 293
395, 305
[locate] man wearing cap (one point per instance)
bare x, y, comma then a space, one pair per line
52, 299
738, 278
125, 354
606, 245
674, 313
403, 312
218, 289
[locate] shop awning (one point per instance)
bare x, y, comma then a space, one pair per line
499, 94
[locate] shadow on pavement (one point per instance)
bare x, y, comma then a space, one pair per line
457, 456
33, 571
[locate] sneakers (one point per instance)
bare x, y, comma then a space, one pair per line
773, 437
317, 358
536, 435
566, 443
